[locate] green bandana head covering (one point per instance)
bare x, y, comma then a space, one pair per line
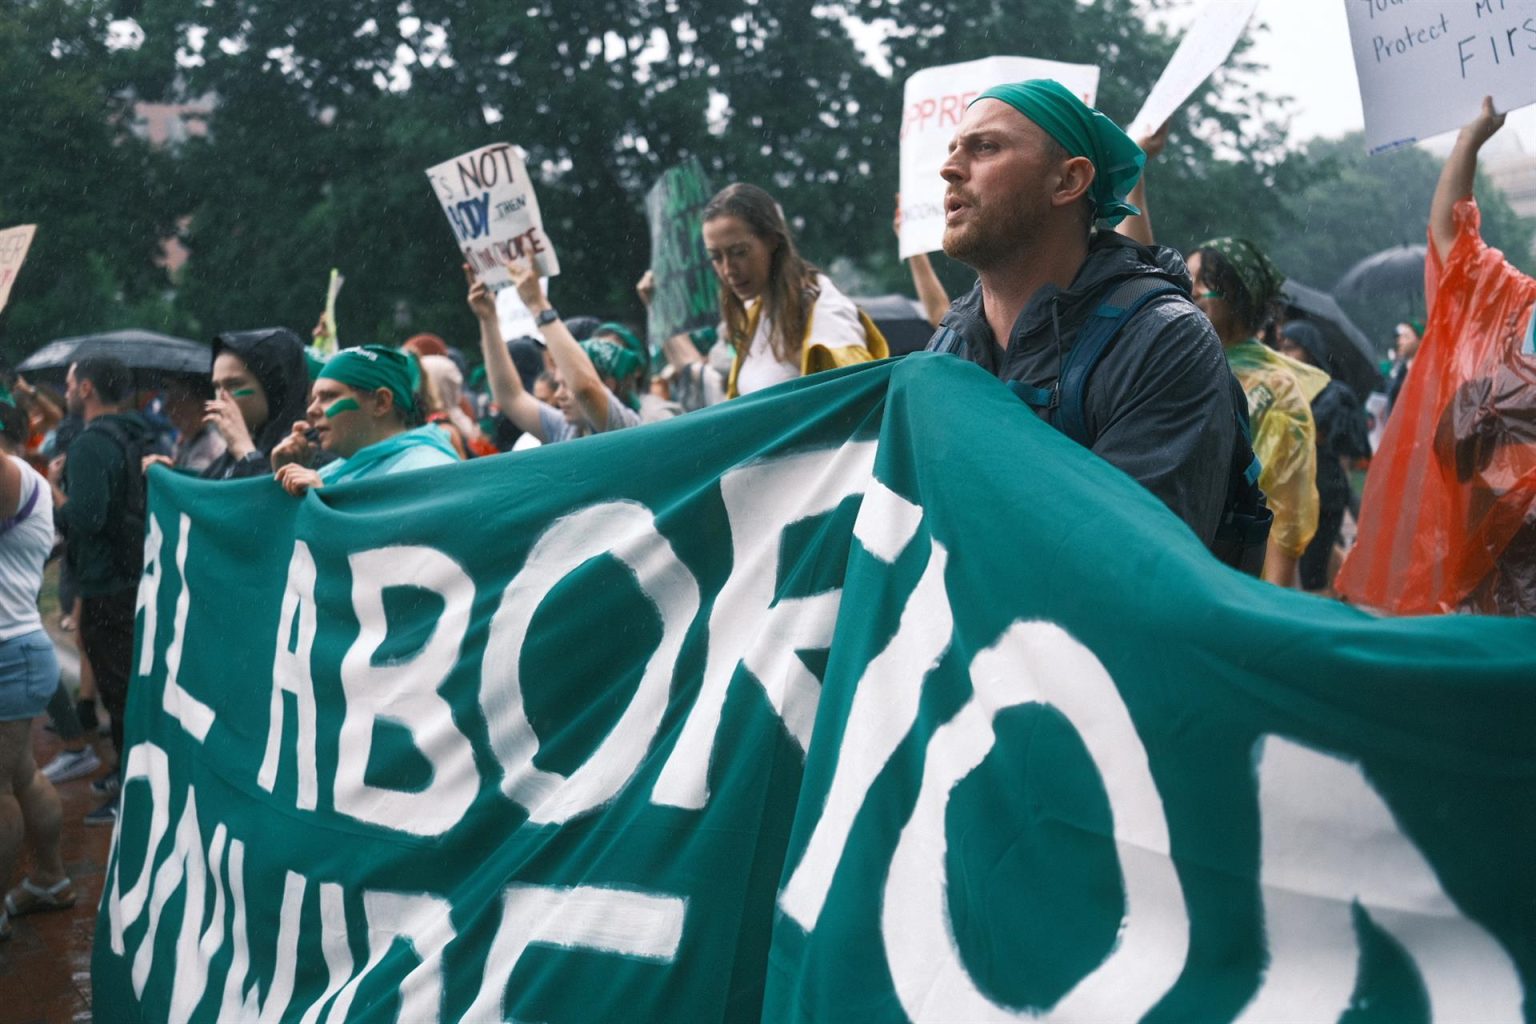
1081, 131
625, 336
1260, 278
375, 366
6, 398
613, 359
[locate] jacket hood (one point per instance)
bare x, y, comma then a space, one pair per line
1112, 258
276, 356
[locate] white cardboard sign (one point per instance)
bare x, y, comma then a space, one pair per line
489, 201
14, 243
1425, 65
934, 101
1206, 45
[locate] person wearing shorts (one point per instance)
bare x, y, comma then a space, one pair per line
29, 675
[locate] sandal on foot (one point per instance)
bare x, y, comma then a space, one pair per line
31, 898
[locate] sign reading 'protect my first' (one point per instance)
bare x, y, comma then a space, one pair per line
1425, 65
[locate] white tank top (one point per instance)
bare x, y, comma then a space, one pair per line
24, 547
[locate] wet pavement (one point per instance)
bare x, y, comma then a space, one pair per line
45, 969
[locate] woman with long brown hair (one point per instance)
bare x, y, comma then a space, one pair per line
783, 317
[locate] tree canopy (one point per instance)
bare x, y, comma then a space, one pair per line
325, 117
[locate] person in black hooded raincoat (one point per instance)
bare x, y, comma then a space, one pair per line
261, 387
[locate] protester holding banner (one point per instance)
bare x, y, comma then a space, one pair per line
261, 386
1448, 519
784, 317
1236, 285
586, 374
29, 676
1031, 171
363, 409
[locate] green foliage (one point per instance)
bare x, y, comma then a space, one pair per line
71, 166
1359, 205
327, 116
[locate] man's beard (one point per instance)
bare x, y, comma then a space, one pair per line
992, 235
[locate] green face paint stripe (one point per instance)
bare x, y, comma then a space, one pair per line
341, 405
243, 393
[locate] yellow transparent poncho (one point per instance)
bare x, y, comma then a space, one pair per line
1280, 391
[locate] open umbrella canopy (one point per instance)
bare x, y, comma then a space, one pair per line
900, 319
1394, 272
150, 355
1354, 360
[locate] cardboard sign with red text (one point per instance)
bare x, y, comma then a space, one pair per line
934, 102
14, 243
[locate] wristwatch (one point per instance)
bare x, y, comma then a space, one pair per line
548, 316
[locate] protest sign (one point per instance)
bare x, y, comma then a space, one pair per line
1206, 45
933, 103
687, 291
755, 714
1424, 67
489, 201
14, 243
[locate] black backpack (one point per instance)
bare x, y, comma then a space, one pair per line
128, 523
1243, 534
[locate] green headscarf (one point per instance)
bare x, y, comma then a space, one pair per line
615, 360
1261, 279
375, 366
1081, 131
626, 338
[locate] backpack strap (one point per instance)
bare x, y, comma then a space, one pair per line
946, 340
11, 522
1097, 334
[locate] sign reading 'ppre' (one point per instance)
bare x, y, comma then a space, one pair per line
14, 243
687, 290
933, 103
490, 204
754, 715
1425, 65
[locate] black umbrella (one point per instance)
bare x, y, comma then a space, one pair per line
900, 319
1354, 360
150, 355
1398, 271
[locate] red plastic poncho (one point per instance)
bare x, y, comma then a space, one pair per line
1448, 520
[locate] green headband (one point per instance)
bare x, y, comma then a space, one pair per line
1081, 131
1260, 278
614, 360
375, 366
627, 339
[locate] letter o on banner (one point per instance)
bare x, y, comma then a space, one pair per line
1037, 663
627, 531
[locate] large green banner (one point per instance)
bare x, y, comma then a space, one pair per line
870, 698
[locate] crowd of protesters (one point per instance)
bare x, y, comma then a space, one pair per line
1192, 383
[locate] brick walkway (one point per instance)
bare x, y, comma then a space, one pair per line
45, 970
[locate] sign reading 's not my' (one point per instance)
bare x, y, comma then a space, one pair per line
490, 204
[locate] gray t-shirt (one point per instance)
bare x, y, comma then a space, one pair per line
556, 428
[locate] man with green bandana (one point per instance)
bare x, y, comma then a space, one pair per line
361, 409
1033, 174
